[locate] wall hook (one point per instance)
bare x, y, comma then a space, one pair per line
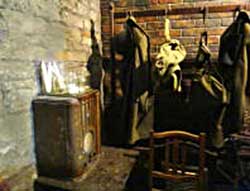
204, 11
129, 13
236, 11
166, 12
111, 6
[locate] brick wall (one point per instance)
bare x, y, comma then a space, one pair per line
32, 30
185, 27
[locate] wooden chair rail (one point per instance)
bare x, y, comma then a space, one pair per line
177, 134
174, 163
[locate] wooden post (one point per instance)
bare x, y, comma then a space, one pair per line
202, 161
151, 159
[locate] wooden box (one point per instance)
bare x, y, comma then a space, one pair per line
67, 133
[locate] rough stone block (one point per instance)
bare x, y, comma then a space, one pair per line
213, 40
146, 19
227, 21
73, 37
191, 49
50, 10
180, 24
157, 41
175, 32
216, 31
192, 32
119, 28
155, 25
71, 19
220, 15
213, 23
122, 3
169, 1
15, 127
106, 29
153, 1
77, 56
35, 43
186, 40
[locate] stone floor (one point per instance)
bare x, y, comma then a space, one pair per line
23, 181
117, 171
111, 169
136, 181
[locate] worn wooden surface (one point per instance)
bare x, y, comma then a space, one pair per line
109, 171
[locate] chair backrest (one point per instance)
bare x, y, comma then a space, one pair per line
176, 144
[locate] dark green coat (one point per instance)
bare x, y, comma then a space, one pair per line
131, 81
234, 69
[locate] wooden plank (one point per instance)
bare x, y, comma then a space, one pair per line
180, 11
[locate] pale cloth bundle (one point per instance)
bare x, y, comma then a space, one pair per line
172, 52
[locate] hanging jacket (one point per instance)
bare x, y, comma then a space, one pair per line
233, 67
131, 79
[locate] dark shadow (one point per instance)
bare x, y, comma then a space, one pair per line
139, 176
95, 68
46, 187
94, 64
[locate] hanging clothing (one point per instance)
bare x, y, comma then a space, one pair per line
131, 80
204, 53
247, 58
233, 67
199, 107
167, 70
95, 66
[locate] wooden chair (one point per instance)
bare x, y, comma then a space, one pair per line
175, 162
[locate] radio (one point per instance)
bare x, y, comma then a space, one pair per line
67, 133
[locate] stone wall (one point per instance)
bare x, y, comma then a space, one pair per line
185, 27
32, 30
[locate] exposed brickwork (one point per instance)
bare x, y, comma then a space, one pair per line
185, 27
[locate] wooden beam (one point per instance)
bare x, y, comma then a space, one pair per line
178, 11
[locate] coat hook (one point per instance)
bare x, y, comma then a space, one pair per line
204, 11
111, 6
112, 11
129, 13
166, 12
168, 9
237, 10
204, 36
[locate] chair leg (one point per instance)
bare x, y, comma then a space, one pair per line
202, 186
205, 182
235, 184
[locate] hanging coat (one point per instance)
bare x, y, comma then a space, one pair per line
199, 107
234, 69
131, 81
